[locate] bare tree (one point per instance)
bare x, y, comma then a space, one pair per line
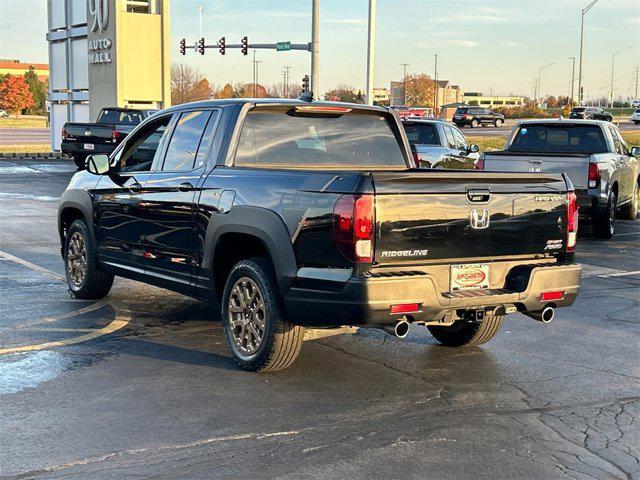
188, 84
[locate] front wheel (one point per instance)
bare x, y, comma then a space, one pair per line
474, 123
604, 221
84, 277
498, 123
631, 211
253, 318
467, 334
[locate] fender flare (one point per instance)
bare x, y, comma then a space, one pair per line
78, 200
258, 222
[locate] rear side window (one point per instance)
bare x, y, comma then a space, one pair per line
460, 111
185, 140
559, 138
273, 137
422, 134
121, 117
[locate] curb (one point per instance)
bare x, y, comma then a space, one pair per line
36, 156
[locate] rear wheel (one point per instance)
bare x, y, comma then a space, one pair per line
79, 160
498, 123
467, 334
253, 318
604, 221
631, 211
84, 277
474, 123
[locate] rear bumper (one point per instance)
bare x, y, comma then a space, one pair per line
367, 300
77, 148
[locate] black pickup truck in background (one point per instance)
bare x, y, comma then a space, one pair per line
290, 214
82, 139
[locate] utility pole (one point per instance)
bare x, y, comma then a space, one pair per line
535, 91
613, 59
538, 93
573, 80
255, 75
287, 76
435, 86
584, 11
200, 8
404, 83
315, 87
637, 71
371, 40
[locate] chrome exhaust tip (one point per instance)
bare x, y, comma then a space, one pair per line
400, 329
545, 315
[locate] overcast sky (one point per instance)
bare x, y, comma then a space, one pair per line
489, 45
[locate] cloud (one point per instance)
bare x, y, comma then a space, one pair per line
463, 43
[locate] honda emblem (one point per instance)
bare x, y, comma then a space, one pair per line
479, 219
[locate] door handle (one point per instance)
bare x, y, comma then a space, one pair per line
135, 187
185, 187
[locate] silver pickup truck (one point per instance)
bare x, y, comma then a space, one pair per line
603, 169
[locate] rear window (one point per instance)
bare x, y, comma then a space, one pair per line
422, 134
578, 110
120, 117
460, 111
285, 137
559, 139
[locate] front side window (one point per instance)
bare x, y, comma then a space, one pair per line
559, 139
185, 140
422, 134
461, 142
291, 136
140, 150
451, 142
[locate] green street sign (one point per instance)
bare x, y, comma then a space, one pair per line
283, 46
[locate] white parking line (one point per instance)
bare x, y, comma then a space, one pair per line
30, 266
621, 274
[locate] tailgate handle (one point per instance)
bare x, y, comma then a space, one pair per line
478, 195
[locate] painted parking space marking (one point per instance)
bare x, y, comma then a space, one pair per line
30, 266
75, 313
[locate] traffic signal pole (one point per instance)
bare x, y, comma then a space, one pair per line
315, 87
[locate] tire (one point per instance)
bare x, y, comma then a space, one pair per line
498, 123
604, 221
474, 123
630, 212
280, 342
467, 334
80, 250
636, 122
79, 160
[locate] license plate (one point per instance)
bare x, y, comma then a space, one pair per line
89, 146
468, 276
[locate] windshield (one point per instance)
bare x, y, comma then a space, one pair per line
559, 139
279, 137
422, 134
120, 117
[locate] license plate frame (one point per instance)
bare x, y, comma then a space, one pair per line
89, 146
469, 276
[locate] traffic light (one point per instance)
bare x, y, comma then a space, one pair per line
183, 46
201, 46
305, 83
222, 45
245, 45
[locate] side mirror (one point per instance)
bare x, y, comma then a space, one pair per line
473, 148
97, 164
635, 151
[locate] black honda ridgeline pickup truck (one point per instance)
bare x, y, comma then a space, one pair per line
293, 214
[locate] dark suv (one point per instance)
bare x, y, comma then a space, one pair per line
590, 113
475, 116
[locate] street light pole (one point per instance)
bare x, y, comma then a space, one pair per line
573, 79
584, 10
613, 59
315, 87
371, 34
435, 83
404, 84
538, 92
200, 8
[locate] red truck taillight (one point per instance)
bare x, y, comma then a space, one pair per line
417, 158
572, 221
354, 227
594, 175
115, 135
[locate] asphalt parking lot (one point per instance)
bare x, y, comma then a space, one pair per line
142, 385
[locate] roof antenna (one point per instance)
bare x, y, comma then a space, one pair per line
306, 97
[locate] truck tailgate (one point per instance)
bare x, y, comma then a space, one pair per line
574, 165
88, 132
426, 216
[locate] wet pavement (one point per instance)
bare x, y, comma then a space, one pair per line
142, 385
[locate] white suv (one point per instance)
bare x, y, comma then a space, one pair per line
635, 116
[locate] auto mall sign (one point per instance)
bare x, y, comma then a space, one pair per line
99, 48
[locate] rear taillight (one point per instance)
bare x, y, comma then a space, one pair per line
572, 221
115, 135
417, 158
353, 227
594, 175
480, 163
64, 133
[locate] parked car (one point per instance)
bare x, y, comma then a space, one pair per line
404, 111
290, 214
590, 113
436, 144
635, 104
476, 116
635, 116
602, 168
112, 126
3, 113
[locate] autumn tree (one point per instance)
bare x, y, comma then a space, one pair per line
225, 92
15, 95
188, 85
420, 90
344, 93
38, 90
